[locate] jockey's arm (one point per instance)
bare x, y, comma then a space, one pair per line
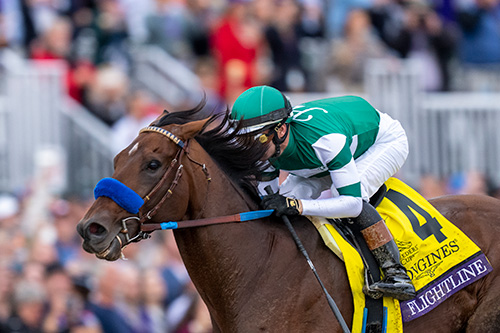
336, 207
349, 203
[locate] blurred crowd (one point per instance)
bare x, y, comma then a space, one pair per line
293, 45
47, 282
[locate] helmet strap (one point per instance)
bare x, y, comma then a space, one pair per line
277, 140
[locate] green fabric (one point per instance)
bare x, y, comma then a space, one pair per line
321, 135
354, 190
257, 101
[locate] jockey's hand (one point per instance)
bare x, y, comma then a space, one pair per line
282, 205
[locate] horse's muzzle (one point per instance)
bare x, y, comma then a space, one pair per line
97, 240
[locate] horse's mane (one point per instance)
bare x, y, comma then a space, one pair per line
239, 156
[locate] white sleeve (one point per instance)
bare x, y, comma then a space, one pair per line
336, 207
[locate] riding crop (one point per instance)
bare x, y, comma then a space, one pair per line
299, 244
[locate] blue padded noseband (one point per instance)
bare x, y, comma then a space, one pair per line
120, 193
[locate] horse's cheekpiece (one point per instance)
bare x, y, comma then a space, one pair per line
440, 259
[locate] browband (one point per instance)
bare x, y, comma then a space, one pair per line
163, 131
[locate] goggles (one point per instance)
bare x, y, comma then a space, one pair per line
265, 136
262, 137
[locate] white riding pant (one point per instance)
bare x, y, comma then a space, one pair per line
380, 162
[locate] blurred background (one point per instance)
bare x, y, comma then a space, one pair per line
79, 78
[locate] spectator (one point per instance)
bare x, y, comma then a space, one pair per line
337, 13
170, 25
416, 31
139, 114
479, 21
111, 35
103, 303
283, 36
154, 293
67, 243
186, 314
107, 94
80, 317
173, 271
27, 316
351, 53
129, 300
55, 44
206, 70
58, 286
6, 287
237, 44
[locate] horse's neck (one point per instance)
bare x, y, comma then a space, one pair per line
218, 255
218, 196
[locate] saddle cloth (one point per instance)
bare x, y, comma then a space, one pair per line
440, 258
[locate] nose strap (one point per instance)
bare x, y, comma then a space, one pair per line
120, 193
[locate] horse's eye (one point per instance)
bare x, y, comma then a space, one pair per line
154, 165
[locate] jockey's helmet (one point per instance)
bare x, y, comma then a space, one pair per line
261, 107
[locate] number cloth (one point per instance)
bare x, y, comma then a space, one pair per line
440, 258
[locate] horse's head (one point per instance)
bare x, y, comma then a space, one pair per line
146, 174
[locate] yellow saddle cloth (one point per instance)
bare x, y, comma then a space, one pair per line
440, 258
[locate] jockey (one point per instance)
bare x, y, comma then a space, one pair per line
339, 144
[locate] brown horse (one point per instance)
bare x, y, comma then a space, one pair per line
251, 275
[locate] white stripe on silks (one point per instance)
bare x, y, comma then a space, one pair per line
306, 173
354, 144
346, 175
329, 146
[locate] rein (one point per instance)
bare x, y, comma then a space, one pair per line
241, 217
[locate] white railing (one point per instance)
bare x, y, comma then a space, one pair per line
89, 155
477, 77
460, 133
447, 132
37, 119
4, 145
32, 102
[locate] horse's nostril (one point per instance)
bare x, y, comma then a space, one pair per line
96, 229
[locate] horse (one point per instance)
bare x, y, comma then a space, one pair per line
250, 274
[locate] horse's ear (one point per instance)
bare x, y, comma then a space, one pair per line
191, 129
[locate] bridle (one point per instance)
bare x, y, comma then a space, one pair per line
175, 166
142, 218
137, 207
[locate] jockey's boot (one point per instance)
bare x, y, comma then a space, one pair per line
396, 282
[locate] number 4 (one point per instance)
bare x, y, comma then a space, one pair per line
431, 225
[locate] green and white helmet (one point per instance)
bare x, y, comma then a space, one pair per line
259, 107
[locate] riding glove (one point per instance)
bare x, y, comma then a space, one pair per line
282, 205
